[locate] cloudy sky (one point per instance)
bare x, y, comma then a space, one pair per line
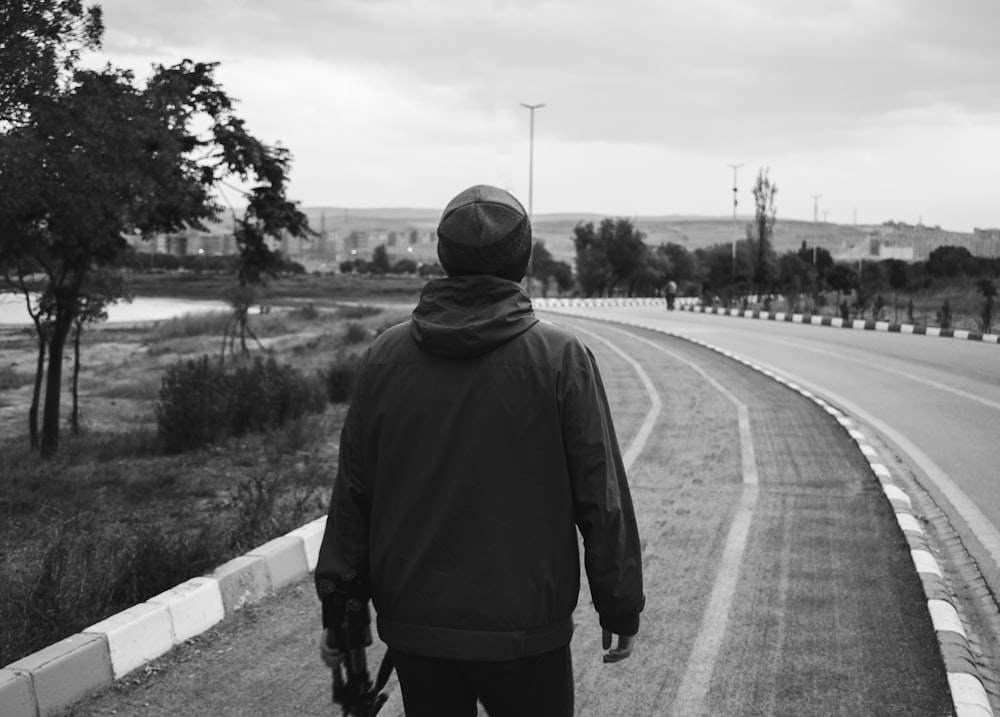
889, 109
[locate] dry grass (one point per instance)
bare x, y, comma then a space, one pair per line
111, 497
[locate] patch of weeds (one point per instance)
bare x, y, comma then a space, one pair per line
211, 323
359, 311
355, 333
11, 378
340, 378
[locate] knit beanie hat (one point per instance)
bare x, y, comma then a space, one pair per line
484, 230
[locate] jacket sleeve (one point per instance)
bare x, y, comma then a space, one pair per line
343, 554
602, 500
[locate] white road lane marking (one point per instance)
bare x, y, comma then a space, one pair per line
694, 685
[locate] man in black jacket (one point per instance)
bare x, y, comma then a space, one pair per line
478, 441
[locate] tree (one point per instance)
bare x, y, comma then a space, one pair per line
380, 260
103, 158
592, 268
542, 265
841, 278
611, 258
761, 241
950, 261
682, 264
899, 280
41, 43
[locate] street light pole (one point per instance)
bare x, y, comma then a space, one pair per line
735, 168
531, 155
815, 206
531, 184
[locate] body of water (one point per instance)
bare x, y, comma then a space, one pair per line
14, 313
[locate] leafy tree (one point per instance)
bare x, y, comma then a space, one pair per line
682, 264
716, 267
562, 273
899, 279
761, 240
794, 275
542, 265
404, 266
592, 268
841, 278
102, 158
951, 261
380, 260
611, 258
41, 41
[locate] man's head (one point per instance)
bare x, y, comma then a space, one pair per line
484, 230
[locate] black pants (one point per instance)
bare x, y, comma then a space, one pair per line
536, 686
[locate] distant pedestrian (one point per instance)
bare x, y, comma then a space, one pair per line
671, 292
478, 441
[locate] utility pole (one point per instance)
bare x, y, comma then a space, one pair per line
815, 206
735, 168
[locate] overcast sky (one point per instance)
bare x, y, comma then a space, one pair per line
889, 109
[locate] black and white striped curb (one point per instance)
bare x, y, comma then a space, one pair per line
50, 680
964, 680
694, 305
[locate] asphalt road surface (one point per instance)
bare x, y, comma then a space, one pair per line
777, 579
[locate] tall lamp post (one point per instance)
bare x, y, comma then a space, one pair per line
531, 153
735, 168
531, 179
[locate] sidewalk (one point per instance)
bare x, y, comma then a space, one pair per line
785, 575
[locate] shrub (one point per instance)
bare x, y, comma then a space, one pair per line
202, 403
340, 378
193, 406
355, 333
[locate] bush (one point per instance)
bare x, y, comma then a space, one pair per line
340, 378
355, 333
202, 403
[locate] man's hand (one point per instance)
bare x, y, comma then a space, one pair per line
330, 656
621, 652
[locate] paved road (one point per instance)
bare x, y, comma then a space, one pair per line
778, 580
937, 400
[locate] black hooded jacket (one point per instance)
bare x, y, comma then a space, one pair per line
478, 441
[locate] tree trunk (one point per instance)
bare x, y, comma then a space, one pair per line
37, 391
53, 385
75, 415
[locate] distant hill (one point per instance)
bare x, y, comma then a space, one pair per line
556, 230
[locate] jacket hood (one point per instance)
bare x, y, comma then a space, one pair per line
464, 317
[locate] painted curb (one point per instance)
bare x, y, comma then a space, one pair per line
135, 636
194, 606
63, 672
55, 677
285, 557
964, 680
16, 695
695, 305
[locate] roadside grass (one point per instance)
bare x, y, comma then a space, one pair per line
112, 520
